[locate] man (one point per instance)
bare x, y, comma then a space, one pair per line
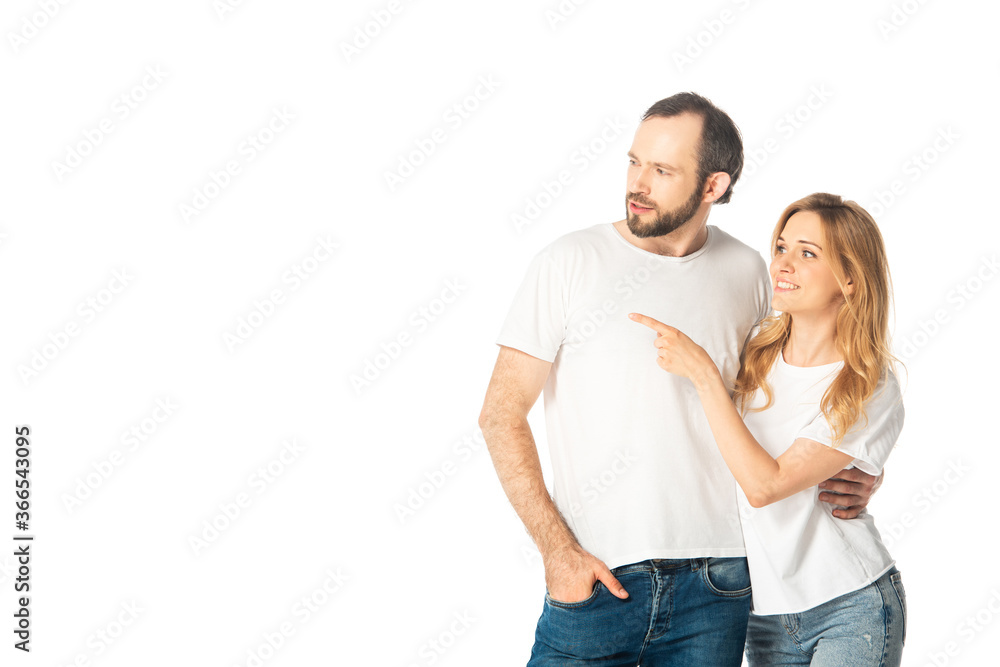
642, 547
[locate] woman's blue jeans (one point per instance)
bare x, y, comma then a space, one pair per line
685, 612
865, 628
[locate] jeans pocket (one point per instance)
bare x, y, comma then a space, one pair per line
575, 605
728, 577
897, 585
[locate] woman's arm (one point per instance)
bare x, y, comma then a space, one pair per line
763, 478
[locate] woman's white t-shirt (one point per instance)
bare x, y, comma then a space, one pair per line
799, 554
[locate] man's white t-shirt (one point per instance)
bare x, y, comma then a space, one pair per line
637, 474
799, 554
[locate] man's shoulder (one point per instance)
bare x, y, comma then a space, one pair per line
730, 243
593, 238
730, 249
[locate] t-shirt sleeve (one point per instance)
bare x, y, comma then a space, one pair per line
869, 443
764, 291
763, 304
536, 322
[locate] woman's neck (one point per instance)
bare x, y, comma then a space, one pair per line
812, 342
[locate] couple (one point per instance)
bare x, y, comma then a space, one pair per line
649, 545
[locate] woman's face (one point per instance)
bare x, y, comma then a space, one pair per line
801, 276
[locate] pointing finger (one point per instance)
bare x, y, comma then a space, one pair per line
655, 325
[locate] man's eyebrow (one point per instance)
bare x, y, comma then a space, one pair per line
661, 165
781, 238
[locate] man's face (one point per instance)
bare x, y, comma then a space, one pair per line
663, 190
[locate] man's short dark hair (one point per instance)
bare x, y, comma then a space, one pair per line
721, 147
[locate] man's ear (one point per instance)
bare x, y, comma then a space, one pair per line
716, 186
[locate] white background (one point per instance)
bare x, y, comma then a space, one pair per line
883, 79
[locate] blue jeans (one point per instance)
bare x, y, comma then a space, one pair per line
865, 628
684, 612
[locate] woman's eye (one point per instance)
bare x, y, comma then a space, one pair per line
779, 249
808, 253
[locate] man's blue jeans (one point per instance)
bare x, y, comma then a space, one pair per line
686, 612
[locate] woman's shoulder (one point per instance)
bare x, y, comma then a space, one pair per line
888, 394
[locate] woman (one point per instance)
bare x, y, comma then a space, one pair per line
817, 394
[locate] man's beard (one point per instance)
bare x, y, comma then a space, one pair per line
666, 221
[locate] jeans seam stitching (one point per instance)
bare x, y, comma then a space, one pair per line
794, 619
887, 622
652, 614
893, 580
670, 611
727, 594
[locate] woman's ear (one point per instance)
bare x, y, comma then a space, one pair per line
849, 287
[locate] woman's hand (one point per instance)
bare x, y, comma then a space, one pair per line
677, 353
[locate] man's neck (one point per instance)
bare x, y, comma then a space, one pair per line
685, 240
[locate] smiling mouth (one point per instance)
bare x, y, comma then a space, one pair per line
783, 285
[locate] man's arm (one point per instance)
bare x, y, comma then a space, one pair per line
518, 378
849, 491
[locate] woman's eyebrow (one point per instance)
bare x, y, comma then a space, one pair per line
780, 238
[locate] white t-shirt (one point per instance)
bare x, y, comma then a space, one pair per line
637, 474
799, 554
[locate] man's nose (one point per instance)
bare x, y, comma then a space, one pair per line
639, 183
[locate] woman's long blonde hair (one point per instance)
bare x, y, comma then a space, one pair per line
855, 252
